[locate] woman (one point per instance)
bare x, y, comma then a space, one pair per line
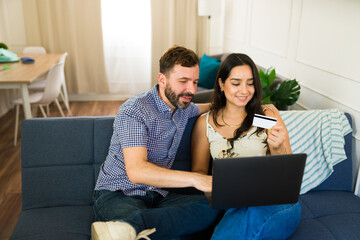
227, 131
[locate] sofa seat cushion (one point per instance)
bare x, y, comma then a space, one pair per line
322, 203
54, 186
331, 227
70, 222
327, 215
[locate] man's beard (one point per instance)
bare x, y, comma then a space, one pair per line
174, 99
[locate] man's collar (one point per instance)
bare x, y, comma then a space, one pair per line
160, 104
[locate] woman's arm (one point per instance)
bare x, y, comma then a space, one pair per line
278, 137
200, 147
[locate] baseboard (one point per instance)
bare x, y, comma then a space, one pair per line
98, 97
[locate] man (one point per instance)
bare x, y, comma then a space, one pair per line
129, 201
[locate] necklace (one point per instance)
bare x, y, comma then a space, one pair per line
222, 118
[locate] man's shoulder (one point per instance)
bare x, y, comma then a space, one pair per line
140, 102
142, 99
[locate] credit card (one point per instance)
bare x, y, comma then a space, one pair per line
263, 121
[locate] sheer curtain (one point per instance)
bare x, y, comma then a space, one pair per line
73, 27
126, 29
175, 22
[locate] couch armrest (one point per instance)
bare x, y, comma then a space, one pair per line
203, 96
357, 186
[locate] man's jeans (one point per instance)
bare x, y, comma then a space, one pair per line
265, 222
173, 216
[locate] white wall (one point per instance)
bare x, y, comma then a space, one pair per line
315, 41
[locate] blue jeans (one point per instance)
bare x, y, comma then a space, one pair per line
173, 216
264, 222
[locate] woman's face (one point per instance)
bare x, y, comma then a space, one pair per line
239, 86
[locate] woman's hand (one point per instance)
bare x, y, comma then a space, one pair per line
276, 138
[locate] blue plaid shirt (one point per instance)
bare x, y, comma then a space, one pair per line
143, 121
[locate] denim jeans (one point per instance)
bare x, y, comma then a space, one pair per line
264, 222
173, 216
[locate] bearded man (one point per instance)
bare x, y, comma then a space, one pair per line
129, 199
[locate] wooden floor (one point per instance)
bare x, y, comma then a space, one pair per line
10, 162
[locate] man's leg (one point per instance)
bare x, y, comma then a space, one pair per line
109, 206
172, 216
112, 209
176, 215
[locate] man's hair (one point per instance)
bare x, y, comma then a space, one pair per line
177, 55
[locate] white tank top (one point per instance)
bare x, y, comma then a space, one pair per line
250, 144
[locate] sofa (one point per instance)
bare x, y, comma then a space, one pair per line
60, 163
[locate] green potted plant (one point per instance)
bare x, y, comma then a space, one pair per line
281, 94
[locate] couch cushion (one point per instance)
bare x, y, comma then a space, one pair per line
57, 186
57, 162
208, 71
316, 204
70, 223
327, 215
331, 227
183, 155
57, 141
103, 130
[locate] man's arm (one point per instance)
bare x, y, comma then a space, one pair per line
140, 171
204, 107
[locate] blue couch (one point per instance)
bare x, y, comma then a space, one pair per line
61, 159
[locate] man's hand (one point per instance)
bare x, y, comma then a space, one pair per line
140, 171
203, 182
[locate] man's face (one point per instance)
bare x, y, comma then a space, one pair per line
181, 86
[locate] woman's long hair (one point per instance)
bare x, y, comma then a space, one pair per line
218, 99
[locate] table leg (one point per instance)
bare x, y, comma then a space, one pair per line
26, 101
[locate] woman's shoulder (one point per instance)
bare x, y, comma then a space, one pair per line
203, 119
204, 116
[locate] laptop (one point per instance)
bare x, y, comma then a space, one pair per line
257, 181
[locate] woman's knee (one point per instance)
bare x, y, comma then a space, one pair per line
280, 223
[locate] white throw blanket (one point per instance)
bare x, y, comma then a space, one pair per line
319, 134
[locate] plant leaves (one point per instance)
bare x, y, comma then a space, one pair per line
283, 94
286, 93
271, 76
263, 79
266, 100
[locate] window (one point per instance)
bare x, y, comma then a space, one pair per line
127, 45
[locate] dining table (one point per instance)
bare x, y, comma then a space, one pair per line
18, 75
